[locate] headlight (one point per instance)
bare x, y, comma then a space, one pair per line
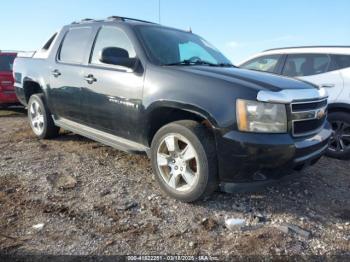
253, 116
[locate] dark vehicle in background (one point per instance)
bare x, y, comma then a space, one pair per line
7, 92
142, 87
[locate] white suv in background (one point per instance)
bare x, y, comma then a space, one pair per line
325, 66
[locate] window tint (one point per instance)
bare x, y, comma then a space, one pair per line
6, 63
264, 63
341, 61
168, 46
111, 37
74, 45
306, 65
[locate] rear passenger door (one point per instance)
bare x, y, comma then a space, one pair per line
317, 69
67, 75
114, 99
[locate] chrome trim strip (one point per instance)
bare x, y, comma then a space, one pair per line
301, 116
287, 96
310, 102
100, 136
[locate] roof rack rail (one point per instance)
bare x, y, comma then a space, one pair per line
121, 18
316, 46
85, 20
111, 18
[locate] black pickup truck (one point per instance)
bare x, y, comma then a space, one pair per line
142, 87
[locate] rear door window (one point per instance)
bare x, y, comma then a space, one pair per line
74, 45
340, 61
6, 63
263, 63
306, 64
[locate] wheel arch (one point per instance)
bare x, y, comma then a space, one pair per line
337, 147
31, 86
163, 113
339, 107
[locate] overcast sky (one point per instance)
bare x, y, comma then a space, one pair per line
239, 28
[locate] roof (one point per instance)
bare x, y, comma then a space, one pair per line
310, 49
113, 19
120, 19
342, 50
317, 46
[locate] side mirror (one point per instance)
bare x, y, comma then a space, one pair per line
117, 56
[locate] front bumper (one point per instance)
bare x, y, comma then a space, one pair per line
244, 158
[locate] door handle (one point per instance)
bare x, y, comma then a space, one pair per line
90, 79
56, 73
328, 85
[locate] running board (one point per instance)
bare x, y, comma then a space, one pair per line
102, 137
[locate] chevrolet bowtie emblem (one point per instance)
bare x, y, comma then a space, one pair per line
320, 113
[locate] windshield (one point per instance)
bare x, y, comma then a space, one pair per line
169, 46
6, 63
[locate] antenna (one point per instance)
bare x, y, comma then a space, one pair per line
159, 11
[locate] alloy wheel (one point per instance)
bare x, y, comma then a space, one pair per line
177, 162
37, 118
340, 140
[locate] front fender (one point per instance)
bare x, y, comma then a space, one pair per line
190, 108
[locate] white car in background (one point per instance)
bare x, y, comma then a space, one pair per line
325, 66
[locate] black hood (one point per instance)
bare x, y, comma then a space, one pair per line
250, 78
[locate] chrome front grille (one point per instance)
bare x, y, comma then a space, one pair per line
308, 117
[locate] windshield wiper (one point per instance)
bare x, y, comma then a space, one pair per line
199, 62
183, 62
227, 65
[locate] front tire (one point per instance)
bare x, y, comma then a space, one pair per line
339, 146
184, 160
40, 118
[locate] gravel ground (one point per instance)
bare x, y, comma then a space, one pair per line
84, 198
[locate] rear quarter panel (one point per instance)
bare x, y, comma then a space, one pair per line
30, 69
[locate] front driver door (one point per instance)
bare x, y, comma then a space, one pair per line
112, 96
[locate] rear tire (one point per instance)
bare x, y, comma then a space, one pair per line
40, 118
340, 141
183, 157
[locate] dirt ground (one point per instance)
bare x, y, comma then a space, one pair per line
84, 198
